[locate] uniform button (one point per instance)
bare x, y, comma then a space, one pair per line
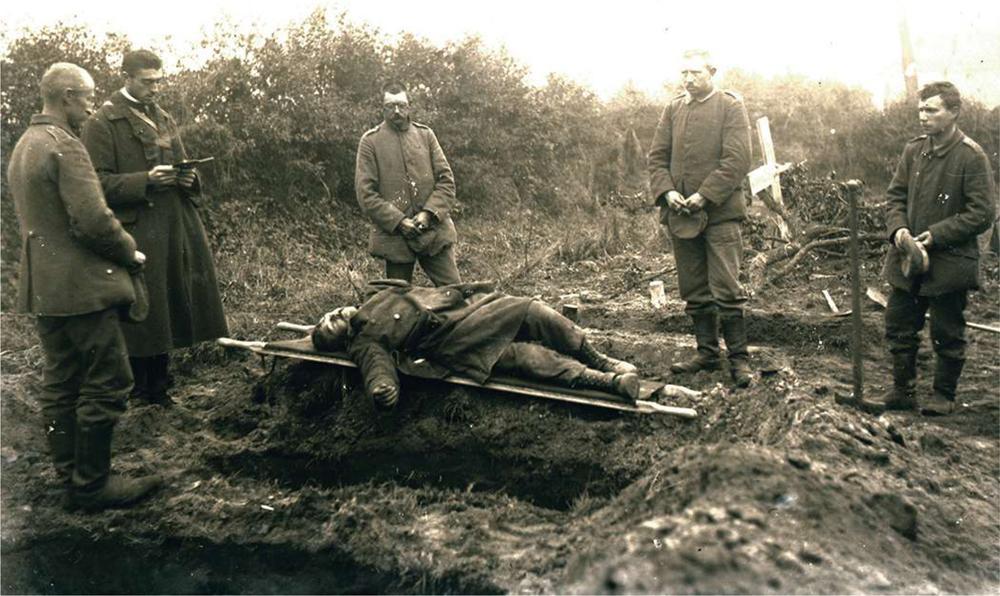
395, 316
31, 233
110, 271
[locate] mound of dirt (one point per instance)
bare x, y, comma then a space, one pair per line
284, 478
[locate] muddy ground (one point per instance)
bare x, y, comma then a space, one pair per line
282, 478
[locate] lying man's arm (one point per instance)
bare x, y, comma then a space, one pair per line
378, 371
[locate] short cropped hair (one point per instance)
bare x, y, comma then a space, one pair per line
950, 96
137, 60
62, 76
703, 55
393, 88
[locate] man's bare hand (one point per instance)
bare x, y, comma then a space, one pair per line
385, 395
162, 176
925, 238
186, 177
408, 228
423, 220
139, 258
695, 202
900, 236
675, 200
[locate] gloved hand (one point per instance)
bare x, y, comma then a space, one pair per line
915, 259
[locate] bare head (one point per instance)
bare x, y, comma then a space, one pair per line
143, 73
939, 106
697, 70
332, 331
68, 92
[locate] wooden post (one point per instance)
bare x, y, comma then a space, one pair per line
857, 341
769, 176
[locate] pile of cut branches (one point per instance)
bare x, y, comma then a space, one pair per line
817, 212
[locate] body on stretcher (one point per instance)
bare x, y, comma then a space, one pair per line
303, 349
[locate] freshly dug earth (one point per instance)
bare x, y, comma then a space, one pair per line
286, 479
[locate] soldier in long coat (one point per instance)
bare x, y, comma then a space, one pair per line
941, 197
75, 269
468, 329
405, 186
134, 144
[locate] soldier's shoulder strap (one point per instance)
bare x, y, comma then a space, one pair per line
419, 125
968, 141
733, 94
55, 132
371, 130
111, 111
916, 139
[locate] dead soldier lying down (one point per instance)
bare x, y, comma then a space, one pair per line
468, 329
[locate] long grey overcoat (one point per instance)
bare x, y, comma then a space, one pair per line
184, 302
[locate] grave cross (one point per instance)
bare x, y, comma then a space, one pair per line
769, 175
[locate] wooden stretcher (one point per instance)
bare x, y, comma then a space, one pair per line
302, 349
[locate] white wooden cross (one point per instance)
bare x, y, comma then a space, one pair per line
769, 175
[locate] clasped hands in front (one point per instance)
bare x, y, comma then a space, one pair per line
677, 202
411, 227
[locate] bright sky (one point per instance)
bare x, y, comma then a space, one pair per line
607, 44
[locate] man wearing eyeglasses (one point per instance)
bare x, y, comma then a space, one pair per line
405, 186
134, 145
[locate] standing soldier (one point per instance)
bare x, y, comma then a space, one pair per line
134, 144
405, 186
699, 157
940, 199
74, 277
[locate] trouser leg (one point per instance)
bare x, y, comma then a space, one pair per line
538, 362
106, 382
545, 325
60, 387
403, 271
723, 255
692, 275
441, 268
948, 339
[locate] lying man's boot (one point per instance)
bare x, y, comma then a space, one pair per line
625, 385
593, 358
706, 333
946, 374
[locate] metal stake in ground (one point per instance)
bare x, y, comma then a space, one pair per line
853, 190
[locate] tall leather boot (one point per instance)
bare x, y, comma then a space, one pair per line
140, 390
734, 330
706, 333
60, 433
593, 358
946, 374
625, 385
94, 486
158, 380
902, 395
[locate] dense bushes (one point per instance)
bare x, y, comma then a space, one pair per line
282, 114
